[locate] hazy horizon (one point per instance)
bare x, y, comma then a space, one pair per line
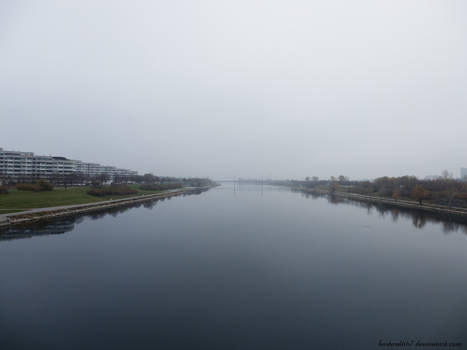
238, 89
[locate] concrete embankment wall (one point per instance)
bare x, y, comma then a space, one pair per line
51, 213
453, 211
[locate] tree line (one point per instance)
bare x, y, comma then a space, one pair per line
443, 190
101, 184
77, 179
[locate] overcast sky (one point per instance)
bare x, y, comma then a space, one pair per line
244, 88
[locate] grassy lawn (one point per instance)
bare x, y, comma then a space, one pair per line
22, 200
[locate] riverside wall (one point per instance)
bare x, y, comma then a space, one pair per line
438, 209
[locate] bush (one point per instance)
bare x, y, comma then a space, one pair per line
117, 190
44, 185
160, 187
4, 189
27, 187
39, 186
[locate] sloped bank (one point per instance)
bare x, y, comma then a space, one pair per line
44, 214
460, 213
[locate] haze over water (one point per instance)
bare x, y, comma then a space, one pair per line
244, 267
247, 88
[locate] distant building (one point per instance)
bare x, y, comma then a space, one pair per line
14, 164
464, 174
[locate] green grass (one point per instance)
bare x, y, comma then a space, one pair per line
22, 200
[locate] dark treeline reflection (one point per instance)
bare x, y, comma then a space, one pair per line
59, 226
419, 218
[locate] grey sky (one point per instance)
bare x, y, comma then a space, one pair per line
246, 88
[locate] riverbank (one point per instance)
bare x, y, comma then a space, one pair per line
16, 201
50, 213
437, 209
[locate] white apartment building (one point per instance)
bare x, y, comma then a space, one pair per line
15, 164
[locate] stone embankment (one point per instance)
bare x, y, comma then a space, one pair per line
43, 214
438, 209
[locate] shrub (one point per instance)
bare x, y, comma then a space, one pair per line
27, 187
118, 190
44, 185
39, 186
4, 189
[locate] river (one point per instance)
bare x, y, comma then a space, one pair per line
236, 267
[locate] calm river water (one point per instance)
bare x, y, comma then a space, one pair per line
237, 267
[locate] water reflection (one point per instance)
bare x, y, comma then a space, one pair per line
225, 272
419, 218
42, 229
63, 225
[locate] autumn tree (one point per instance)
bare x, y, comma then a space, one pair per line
420, 193
332, 188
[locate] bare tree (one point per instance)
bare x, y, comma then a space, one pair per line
342, 178
446, 174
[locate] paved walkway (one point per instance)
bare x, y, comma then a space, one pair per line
15, 209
